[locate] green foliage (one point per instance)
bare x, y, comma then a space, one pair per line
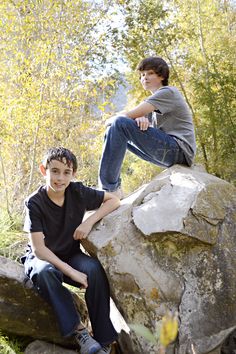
9, 224
136, 172
144, 332
10, 346
52, 91
165, 333
57, 80
12, 242
207, 38
197, 38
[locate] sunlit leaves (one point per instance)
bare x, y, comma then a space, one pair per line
165, 333
169, 329
197, 38
50, 91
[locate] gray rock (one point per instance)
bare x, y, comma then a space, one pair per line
172, 245
23, 311
40, 347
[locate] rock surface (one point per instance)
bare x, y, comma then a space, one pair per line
172, 245
40, 347
23, 312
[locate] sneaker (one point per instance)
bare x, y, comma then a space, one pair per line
88, 345
105, 350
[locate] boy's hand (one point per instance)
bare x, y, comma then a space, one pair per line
79, 277
142, 122
82, 230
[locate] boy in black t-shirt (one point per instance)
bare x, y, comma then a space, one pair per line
54, 215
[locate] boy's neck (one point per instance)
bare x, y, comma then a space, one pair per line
157, 88
57, 197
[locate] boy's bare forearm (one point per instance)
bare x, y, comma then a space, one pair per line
107, 207
140, 111
110, 203
42, 252
47, 255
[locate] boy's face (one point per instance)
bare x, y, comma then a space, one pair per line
58, 175
150, 80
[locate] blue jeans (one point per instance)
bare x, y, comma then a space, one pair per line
152, 145
48, 280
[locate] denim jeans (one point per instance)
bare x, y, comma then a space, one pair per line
48, 280
152, 145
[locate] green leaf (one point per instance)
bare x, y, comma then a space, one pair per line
143, 331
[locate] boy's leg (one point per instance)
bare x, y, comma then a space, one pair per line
47, 281
152, 145
97, 297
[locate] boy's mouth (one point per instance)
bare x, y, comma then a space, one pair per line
59, 185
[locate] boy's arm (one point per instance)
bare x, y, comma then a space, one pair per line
110, 203
44, 253
140, 110
138, 113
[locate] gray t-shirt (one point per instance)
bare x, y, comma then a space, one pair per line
173, 116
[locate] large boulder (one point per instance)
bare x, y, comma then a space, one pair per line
172, 245
23, 311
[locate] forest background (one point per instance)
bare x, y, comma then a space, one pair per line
67, 65
62, 62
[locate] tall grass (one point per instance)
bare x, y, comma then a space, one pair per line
13, 344
12, 238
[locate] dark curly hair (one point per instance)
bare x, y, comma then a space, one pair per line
60, 154
156, 64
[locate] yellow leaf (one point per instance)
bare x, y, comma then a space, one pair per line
154, 294
169, 329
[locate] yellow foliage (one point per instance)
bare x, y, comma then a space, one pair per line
50, 90
169, 329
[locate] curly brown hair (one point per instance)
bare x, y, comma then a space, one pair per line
60, 154
156, 64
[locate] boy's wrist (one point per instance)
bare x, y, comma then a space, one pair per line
92, 219
68, 269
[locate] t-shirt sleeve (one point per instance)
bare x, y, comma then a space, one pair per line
162, 100
32, 221
92, 198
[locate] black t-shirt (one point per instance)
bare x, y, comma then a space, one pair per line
59, 223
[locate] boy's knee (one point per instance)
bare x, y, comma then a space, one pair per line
48, 274
122, 122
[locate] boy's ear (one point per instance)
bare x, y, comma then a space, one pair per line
42, 169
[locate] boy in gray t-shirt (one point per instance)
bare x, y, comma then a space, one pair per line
159, 130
